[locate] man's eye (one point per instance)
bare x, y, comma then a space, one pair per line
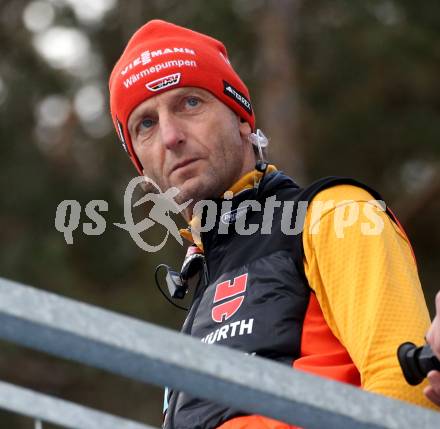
192, 101
146, 123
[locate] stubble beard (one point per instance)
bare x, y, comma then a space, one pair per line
206, 186
212, 183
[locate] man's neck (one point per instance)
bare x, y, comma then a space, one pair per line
248, 180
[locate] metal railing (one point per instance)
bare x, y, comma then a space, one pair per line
57, 411
152, 354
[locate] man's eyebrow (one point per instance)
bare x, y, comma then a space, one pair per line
135, 118
145, 111
193, 90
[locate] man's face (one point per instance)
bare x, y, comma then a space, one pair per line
187, 138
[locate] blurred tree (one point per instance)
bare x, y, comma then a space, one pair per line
370, 99
279, 89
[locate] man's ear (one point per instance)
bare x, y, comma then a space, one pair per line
245, 128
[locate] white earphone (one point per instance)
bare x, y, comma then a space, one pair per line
260, 140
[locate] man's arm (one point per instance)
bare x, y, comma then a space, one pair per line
432, 391
368, 289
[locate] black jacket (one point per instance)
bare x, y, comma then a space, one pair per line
256, 294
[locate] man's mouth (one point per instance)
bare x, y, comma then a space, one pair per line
183, 164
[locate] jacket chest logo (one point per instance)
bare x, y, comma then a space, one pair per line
227, 291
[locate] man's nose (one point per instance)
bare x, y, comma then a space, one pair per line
171, 131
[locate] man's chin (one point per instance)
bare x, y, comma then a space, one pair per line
189, 189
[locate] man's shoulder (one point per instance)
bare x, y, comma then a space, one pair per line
338, 188
343, 198
340, 193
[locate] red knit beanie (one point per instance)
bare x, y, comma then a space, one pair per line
162, 56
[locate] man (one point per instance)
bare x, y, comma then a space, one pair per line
332, 301
433, 338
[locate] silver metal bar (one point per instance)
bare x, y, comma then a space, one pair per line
152, 354
58, 411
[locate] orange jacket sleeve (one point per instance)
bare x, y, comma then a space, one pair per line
366, 281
